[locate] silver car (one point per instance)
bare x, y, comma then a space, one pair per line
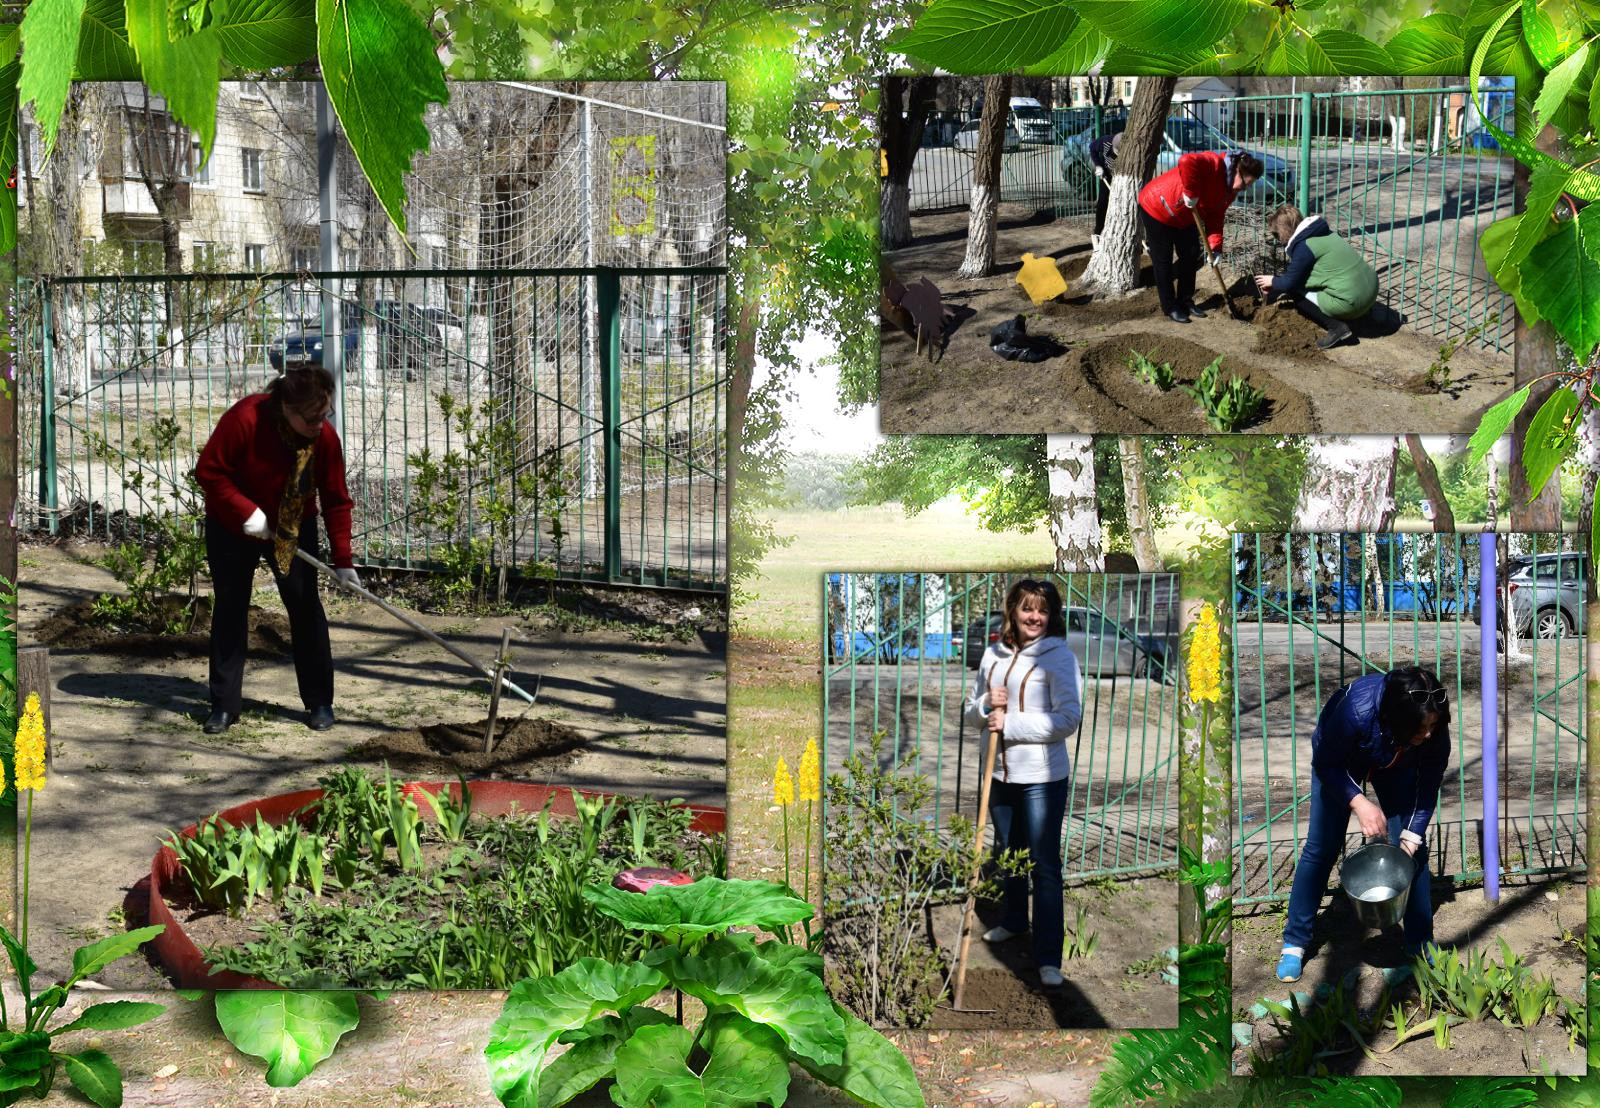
1546, 595
1184, 135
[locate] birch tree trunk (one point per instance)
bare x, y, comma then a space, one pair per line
1349, 484
902, 112
1114, 267
1074, 512
985, 210
1135, 495
1428, 475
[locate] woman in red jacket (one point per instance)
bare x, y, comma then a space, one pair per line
272, 454
1205, 183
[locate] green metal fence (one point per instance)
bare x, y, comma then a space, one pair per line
1411, 177
1312, 612
613, 380
901, 654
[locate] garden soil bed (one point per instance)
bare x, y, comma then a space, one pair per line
130, 761
75, 628
439, 751
1371, 385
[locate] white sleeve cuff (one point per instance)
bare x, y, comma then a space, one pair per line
1409, 836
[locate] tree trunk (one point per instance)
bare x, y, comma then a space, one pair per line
1349, 484
1536, 357
901, 133
985, 210
1074, 512
1141, 528
1491, 507
1428, 474
1114, 268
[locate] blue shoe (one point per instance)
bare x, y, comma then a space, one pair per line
1289, 967
1397, 975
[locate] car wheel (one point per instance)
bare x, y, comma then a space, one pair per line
1080, 181
1552, 624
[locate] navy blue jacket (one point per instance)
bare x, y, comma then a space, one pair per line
1351, 746
1301, 259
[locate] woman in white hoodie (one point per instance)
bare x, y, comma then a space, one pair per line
1030, 690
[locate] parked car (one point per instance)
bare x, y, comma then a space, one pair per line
1545, 592
1030, 120
408, 336
1103, 649
1184, 135
967, 137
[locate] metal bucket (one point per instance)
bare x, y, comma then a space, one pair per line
1377, 879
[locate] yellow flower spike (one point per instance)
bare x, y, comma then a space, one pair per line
782, 785
30, 746
811, 772
1205, 658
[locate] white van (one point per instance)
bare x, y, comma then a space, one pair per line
1030, 120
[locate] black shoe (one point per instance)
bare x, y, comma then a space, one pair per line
321, 719
1178, 316
1335, 334
1194, 311
219, 721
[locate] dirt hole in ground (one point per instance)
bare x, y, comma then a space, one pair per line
1111, 392
78, 628
524, 749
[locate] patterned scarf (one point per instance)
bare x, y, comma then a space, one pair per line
297, 492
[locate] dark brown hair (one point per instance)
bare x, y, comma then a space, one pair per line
1249, 165
1055, 621
303, 388
1409, 694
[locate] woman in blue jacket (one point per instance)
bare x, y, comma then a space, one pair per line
1391, 730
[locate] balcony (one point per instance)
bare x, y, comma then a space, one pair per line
129, 203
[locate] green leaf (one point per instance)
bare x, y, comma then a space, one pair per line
381, 71
97, 956
1594, 525
1550, 440
789, 999
538, 1010
291, 1031
265, 34
593, 1056
1557, 84
1494, 424
1546, 184
985, 36
1166, 26
50, 31
1079, 52
20, 962
95, 1075
185, 17
708, 905
653, 1070
873, 1072
748, 1063
1539, 31
1350, 53
1495, 245
103, 52
1428, 46
185, 72
1189, 63
1565, 282
1589, 230
113, 1016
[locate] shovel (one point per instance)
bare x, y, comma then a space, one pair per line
972, 881
487, 671
1222, 285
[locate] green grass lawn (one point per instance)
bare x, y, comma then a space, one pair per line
787, 593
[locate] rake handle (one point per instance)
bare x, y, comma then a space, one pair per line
977, 871
1205, 236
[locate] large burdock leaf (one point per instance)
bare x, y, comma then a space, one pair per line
539, 1010
873, 1071
1564, 281
381, 70
986, 36
262, 34
184, 71
1175, 26
790, 999
593, 1054
747, 1066
710, 904
50, 31
292, 1031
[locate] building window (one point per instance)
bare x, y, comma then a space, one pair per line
250, 161
439, 257
297, 92
251, 90
206, 256
141, 257
303, 258
255, 256
1127, 89
201, 174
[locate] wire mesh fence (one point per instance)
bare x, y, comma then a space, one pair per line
1313, 612
901, 655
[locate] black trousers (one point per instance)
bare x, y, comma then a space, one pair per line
1102, 199
1174, 260
233, 559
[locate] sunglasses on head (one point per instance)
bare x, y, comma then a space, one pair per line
1428, 698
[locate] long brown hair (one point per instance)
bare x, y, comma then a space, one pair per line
1055, 621
302, 388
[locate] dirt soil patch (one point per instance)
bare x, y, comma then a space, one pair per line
1106, 387
1363, 386
77, 628
521, 747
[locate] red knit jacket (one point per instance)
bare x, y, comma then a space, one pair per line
246, 463
1203, 176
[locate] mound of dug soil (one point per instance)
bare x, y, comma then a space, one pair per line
1284, 333
1000, 999
77, 628
524, 749
1113, 395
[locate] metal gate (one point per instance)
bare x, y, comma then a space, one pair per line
583, 406
1312, 612
901, 651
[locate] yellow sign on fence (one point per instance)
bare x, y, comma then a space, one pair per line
633, 185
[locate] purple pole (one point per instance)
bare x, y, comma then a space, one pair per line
1488, 595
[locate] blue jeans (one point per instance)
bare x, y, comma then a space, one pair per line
1029, 817
1324, 841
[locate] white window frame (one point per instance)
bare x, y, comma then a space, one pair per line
201, 176
245, 153
255, 256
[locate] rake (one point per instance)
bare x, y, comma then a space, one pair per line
1222, 285
972, 881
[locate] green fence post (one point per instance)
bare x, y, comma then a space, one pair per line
608, 299
48, 492
1303, 190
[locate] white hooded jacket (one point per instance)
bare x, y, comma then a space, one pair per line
1044, 693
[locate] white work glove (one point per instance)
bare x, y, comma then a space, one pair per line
1189, 201
348, 576
256, 526
1216, 257
1410, 841
1100, 172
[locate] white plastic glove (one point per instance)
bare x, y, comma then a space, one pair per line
1100, 172
1189, 201
256, 526
348, 576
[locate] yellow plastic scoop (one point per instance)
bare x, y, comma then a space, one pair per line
1040, 278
